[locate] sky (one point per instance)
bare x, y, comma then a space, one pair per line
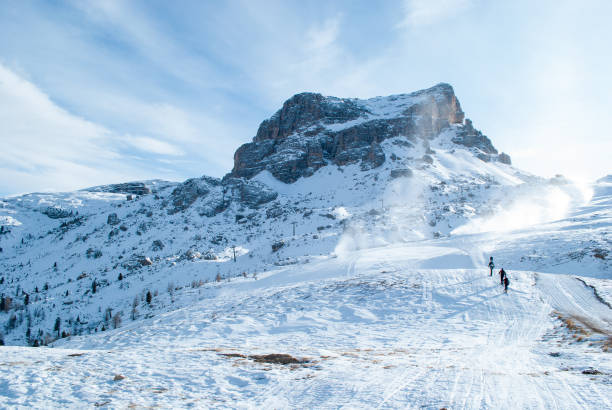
96, 92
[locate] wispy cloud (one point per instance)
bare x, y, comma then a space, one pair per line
47, 147
154, 146
323, 36
425, 12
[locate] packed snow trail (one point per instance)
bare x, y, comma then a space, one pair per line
377, 331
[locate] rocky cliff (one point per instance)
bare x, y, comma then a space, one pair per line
311, 131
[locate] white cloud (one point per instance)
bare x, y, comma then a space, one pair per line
154, 146
321, 37
425, 12
46, 147
29, 120
144, 35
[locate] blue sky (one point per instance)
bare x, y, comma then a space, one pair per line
110, 91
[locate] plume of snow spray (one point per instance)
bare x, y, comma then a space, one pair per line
396, 216
528, 206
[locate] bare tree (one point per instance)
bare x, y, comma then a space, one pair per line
5, 303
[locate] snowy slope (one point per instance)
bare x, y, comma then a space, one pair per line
373, 331
457, 198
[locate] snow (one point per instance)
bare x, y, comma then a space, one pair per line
376, 332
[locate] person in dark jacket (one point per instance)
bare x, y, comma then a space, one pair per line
506, 283
491, 266
502, 275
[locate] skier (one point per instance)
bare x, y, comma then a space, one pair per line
491, 266
502, 275
506, 283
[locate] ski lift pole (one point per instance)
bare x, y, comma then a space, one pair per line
294, 223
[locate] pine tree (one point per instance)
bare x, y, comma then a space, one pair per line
94, 286
117, 320
120, 276
108, 314
149, 297
134, 310
58, 324
26, 300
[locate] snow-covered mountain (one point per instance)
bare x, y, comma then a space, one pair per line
337, 231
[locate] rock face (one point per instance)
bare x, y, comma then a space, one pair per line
216, 195
307, 108
311, 131
504, 158
135, 188
471, 137
189, 191
401, 173
250, 193
55, 212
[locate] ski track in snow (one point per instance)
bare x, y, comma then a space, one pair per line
377, 334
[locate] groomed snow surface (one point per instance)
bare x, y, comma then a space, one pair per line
370, 328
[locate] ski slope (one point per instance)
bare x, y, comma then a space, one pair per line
377, 328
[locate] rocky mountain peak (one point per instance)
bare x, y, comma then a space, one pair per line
304, 109
311, 131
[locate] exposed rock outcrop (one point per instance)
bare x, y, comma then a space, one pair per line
401, 173
216, 195
504, 158
112, 219
307, 108
55, 212
135, 188
157, 245
250, 193
472, 138
189, 191
311, 131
